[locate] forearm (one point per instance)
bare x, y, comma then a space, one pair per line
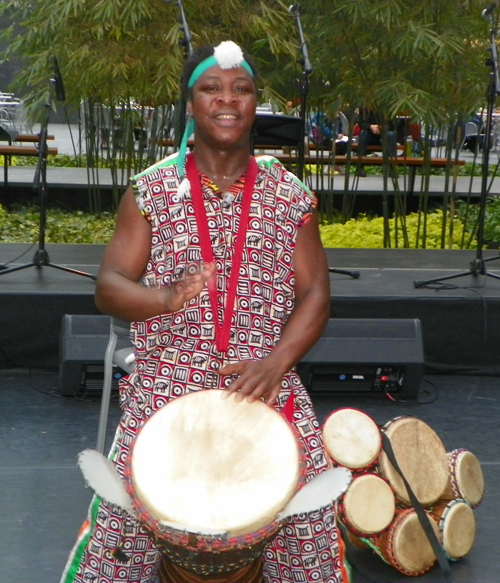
123, 298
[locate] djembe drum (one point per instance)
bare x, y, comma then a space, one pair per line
457, 527
368, 506
208, 478
405, 545
465, 479
352, 439
421, 457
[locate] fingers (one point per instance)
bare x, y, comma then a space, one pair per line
190, 286
253, 382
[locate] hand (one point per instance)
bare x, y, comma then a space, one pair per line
181, 292
257, 379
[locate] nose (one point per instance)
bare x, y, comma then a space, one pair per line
227, 96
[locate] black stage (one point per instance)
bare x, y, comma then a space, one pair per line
44, 496
460, 318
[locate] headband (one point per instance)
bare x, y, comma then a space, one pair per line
227, 55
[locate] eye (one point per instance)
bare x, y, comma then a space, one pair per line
209, 88
244, 88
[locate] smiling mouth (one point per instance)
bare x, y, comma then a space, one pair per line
226, 117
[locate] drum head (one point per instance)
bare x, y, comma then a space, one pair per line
458, 529
209, 461
351, 438
369, 504
421, 457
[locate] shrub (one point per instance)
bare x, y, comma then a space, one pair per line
22, 226
368, 233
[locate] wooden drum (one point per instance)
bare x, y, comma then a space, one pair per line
368, 506
466, 479
405, 545
457, 527
208, 478
352, 439
421, 457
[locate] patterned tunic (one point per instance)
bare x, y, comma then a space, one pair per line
176, 354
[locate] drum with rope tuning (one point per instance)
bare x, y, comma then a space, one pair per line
421, 457
465, 479
209, 476
457, 527
405, 546
368, 506
352, 439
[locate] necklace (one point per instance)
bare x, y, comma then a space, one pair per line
221, 330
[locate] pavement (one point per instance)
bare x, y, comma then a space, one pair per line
68, 140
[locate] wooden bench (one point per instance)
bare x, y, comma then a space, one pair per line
8, 151
411, 163
30, 138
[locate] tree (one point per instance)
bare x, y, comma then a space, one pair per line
111, 50
424, 57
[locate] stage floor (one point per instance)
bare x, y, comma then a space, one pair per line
460, 317
44, 499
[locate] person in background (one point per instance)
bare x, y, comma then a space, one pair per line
170, 268
370, 134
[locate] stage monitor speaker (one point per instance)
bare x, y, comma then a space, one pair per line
82, 346
366, 356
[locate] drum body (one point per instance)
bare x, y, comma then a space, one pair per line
466, 479
457, 527
352, 439
421, 457
368, 506
208, 477
405, 545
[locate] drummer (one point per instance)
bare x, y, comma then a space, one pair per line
170, 264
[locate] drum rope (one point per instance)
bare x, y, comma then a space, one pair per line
421, 514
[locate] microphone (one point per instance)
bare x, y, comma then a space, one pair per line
487, 12
58, 82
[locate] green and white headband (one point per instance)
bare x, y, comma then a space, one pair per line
227, 55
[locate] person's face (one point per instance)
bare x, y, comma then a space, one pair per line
223, 106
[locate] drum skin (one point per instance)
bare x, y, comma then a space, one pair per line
457, 527
220, 470
368, 506
405, 545
466, 479
352, 439
421, 457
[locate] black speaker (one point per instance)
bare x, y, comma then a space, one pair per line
366, 356
82, 346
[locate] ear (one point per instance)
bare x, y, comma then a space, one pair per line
189, 107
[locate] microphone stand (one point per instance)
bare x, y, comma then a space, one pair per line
477, 266
186, 43
41, 257
304, 89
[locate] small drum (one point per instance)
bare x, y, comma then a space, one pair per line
421, 457
405, 545
208, 478
368, 506
457, 527
352, 439
465, 477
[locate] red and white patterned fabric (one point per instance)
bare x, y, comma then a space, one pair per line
176, 354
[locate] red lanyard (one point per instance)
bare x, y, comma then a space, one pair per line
221, 332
